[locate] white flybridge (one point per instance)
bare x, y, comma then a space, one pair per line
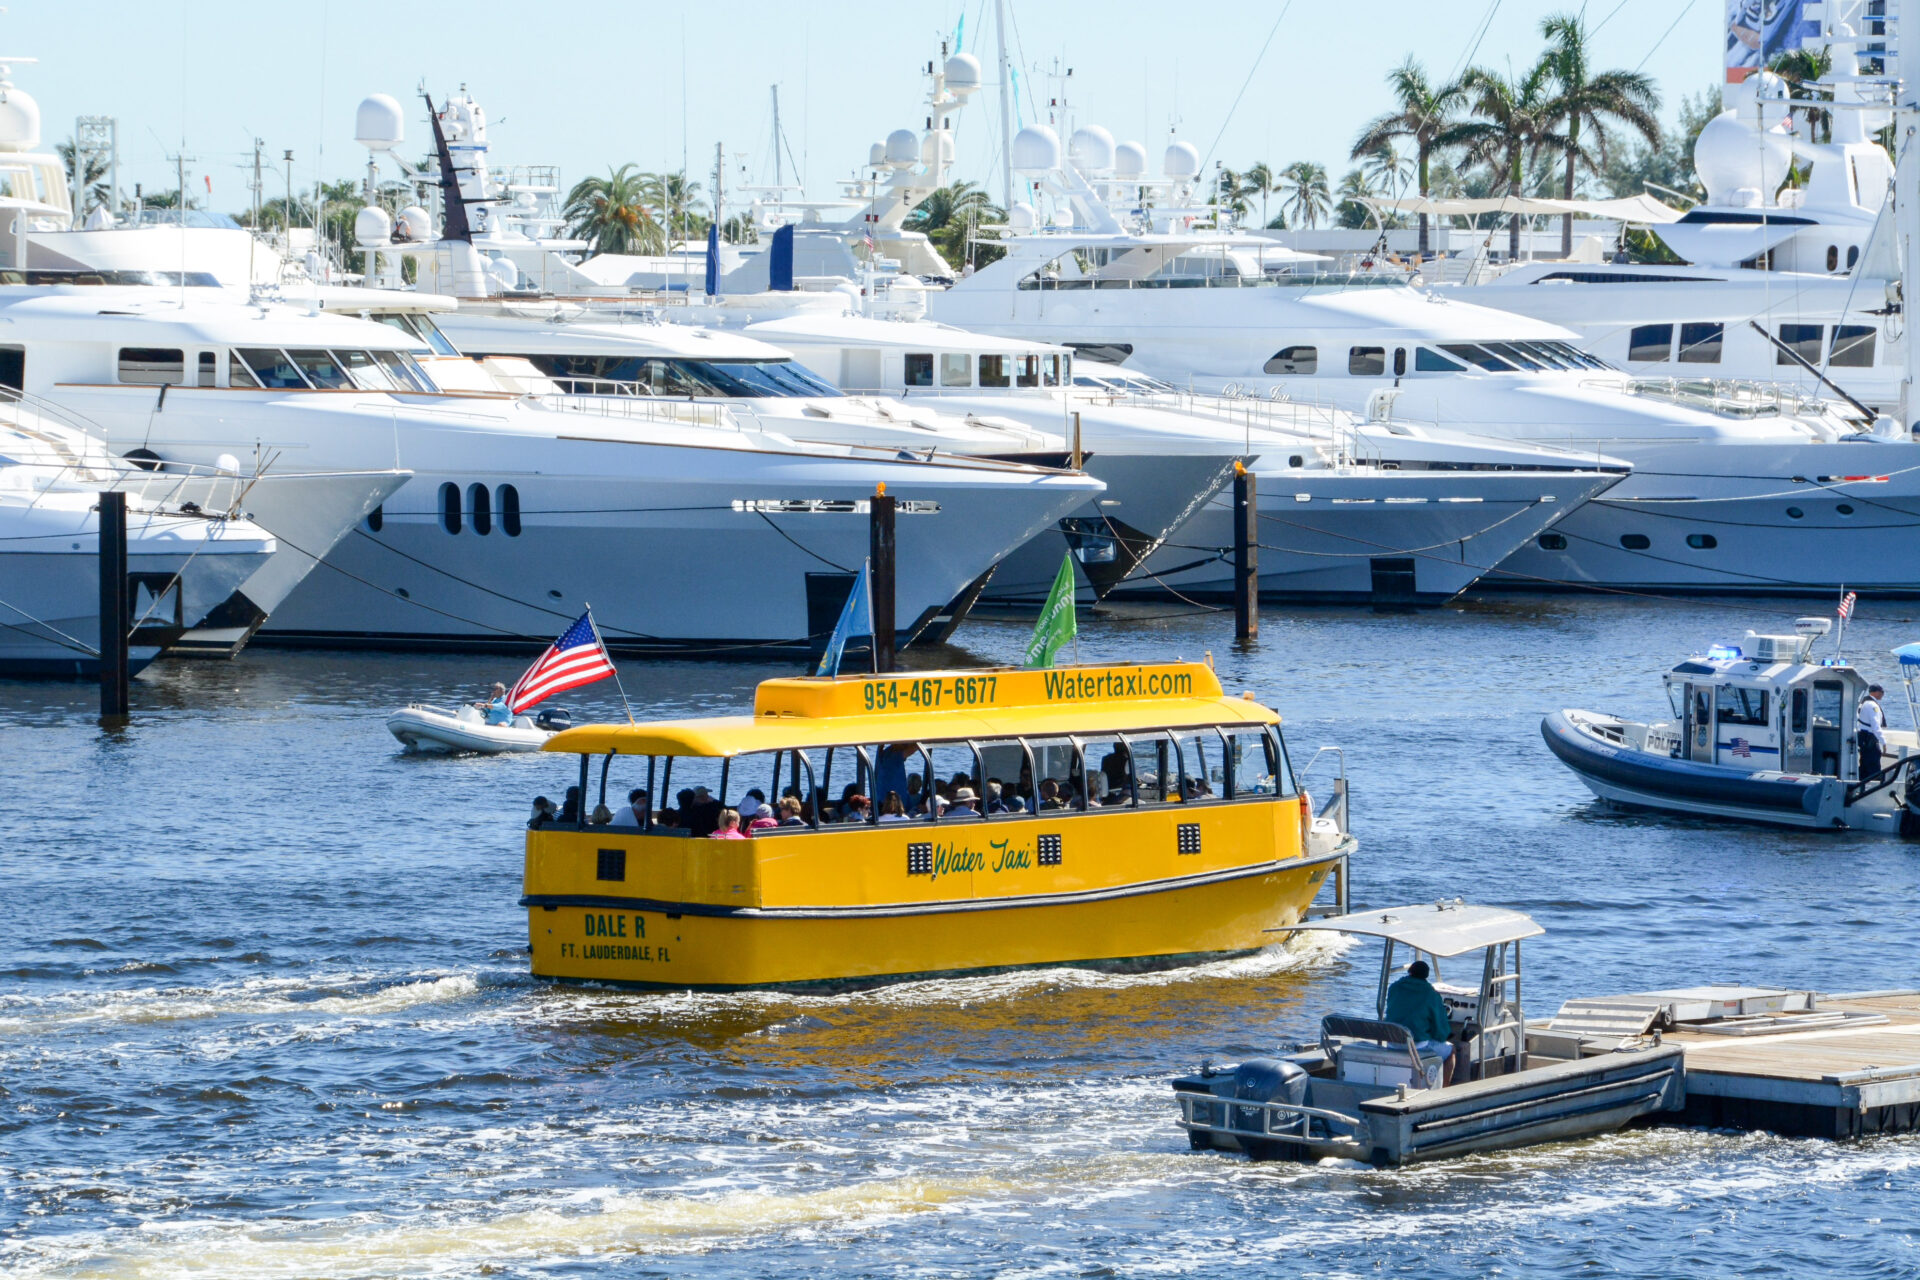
688, 529
1784, 283
1735, 489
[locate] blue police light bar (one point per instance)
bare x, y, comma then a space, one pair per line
1724, 653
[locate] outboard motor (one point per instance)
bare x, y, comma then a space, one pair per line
1910, 808
554, 719
1267, 1080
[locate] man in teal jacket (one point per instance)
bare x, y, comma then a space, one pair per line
1414, 1004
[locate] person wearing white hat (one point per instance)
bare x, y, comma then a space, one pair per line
963, 804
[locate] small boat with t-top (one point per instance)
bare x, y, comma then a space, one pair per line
934, 823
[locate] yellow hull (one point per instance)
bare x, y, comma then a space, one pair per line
598, 936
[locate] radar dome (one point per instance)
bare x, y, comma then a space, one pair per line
1021, 217
877, 156
379, 124
1731, 155
963, 74
1036, 150
936, 148
372, 226
1091, 149
1129, 160
19, 120
1182, 160
903, 148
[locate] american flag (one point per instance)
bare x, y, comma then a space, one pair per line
576, 658
1846, 605
1741, 747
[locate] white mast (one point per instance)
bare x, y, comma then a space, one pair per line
1006, 106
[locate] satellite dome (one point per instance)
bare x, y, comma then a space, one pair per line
372, 226
963, 74
379, 124
19, 120
1732, 155
1091, 149
1021, 217
936, 148
903, 148
1182, 160
1129, 160
1036, 151
877, 155
416, 225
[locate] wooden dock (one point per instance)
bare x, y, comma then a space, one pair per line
1791, 1062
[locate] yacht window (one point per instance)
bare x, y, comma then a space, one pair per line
956, 369
1545, 354
423, 325
1052, 370
480, 509
919, 372
1582, 358
1477, 355
365, 371
508, 499
450, 507
1853, 255
1028, 371
1552, 541
405, 325
208, 367
272, 368
1650, 344
1700, 343
405, 373
1427, 360
1399, 361
1512, 351
993, 372
153, 366
1737, 705
1702, 541
238, 375
1367, 362
1833, 257
1103, 352
1294, 360
1805, 341
1852, 346
321, 371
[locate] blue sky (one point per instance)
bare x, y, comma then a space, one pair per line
587, 84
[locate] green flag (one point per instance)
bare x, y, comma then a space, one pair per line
1057, 624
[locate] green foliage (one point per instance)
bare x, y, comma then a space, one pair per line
949, 217
94, 191
1670, 163
1307, 199
617, 213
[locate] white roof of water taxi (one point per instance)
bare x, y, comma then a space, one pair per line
927, 706
1437, 928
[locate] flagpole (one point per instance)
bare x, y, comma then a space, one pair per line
599, 640
1840, 641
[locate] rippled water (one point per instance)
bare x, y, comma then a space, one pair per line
264, 1006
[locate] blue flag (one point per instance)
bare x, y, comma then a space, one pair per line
856, 619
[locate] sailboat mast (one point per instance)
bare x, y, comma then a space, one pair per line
1006, 107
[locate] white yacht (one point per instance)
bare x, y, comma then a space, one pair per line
183, 562
688, 529
1795, 283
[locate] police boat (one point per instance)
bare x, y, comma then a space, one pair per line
1761, 732
1366, 1091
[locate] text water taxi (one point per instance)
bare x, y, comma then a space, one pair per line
892, 826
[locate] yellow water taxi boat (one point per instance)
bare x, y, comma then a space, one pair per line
930, 823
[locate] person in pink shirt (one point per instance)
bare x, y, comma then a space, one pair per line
729, 828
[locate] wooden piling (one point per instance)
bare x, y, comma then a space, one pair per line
1246, 555
114, 622
880, 542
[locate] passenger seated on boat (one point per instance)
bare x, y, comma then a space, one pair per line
702, 817
858, 810
729, 827
890, 768
756, 814
636, 809
964, 805
683, 804
570, 807
1115, 767
1050, 795
998, 801
601, 816
893, 808
543, 813
1414, 1004
496, 705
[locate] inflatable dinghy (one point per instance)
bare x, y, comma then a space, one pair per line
423, 728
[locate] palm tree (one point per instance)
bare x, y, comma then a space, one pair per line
613, 213
93, 186
1798, 68
1356, 188
1424, 113
1304, 184
949, 215
1594, 102
1261, 181
1516, 123
673, 195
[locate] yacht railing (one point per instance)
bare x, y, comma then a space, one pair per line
638, 406
1296, 280
1728, 397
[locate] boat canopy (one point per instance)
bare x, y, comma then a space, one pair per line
1909, 654
806, 712
1437, 928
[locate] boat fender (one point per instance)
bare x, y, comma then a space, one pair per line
1306, 818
